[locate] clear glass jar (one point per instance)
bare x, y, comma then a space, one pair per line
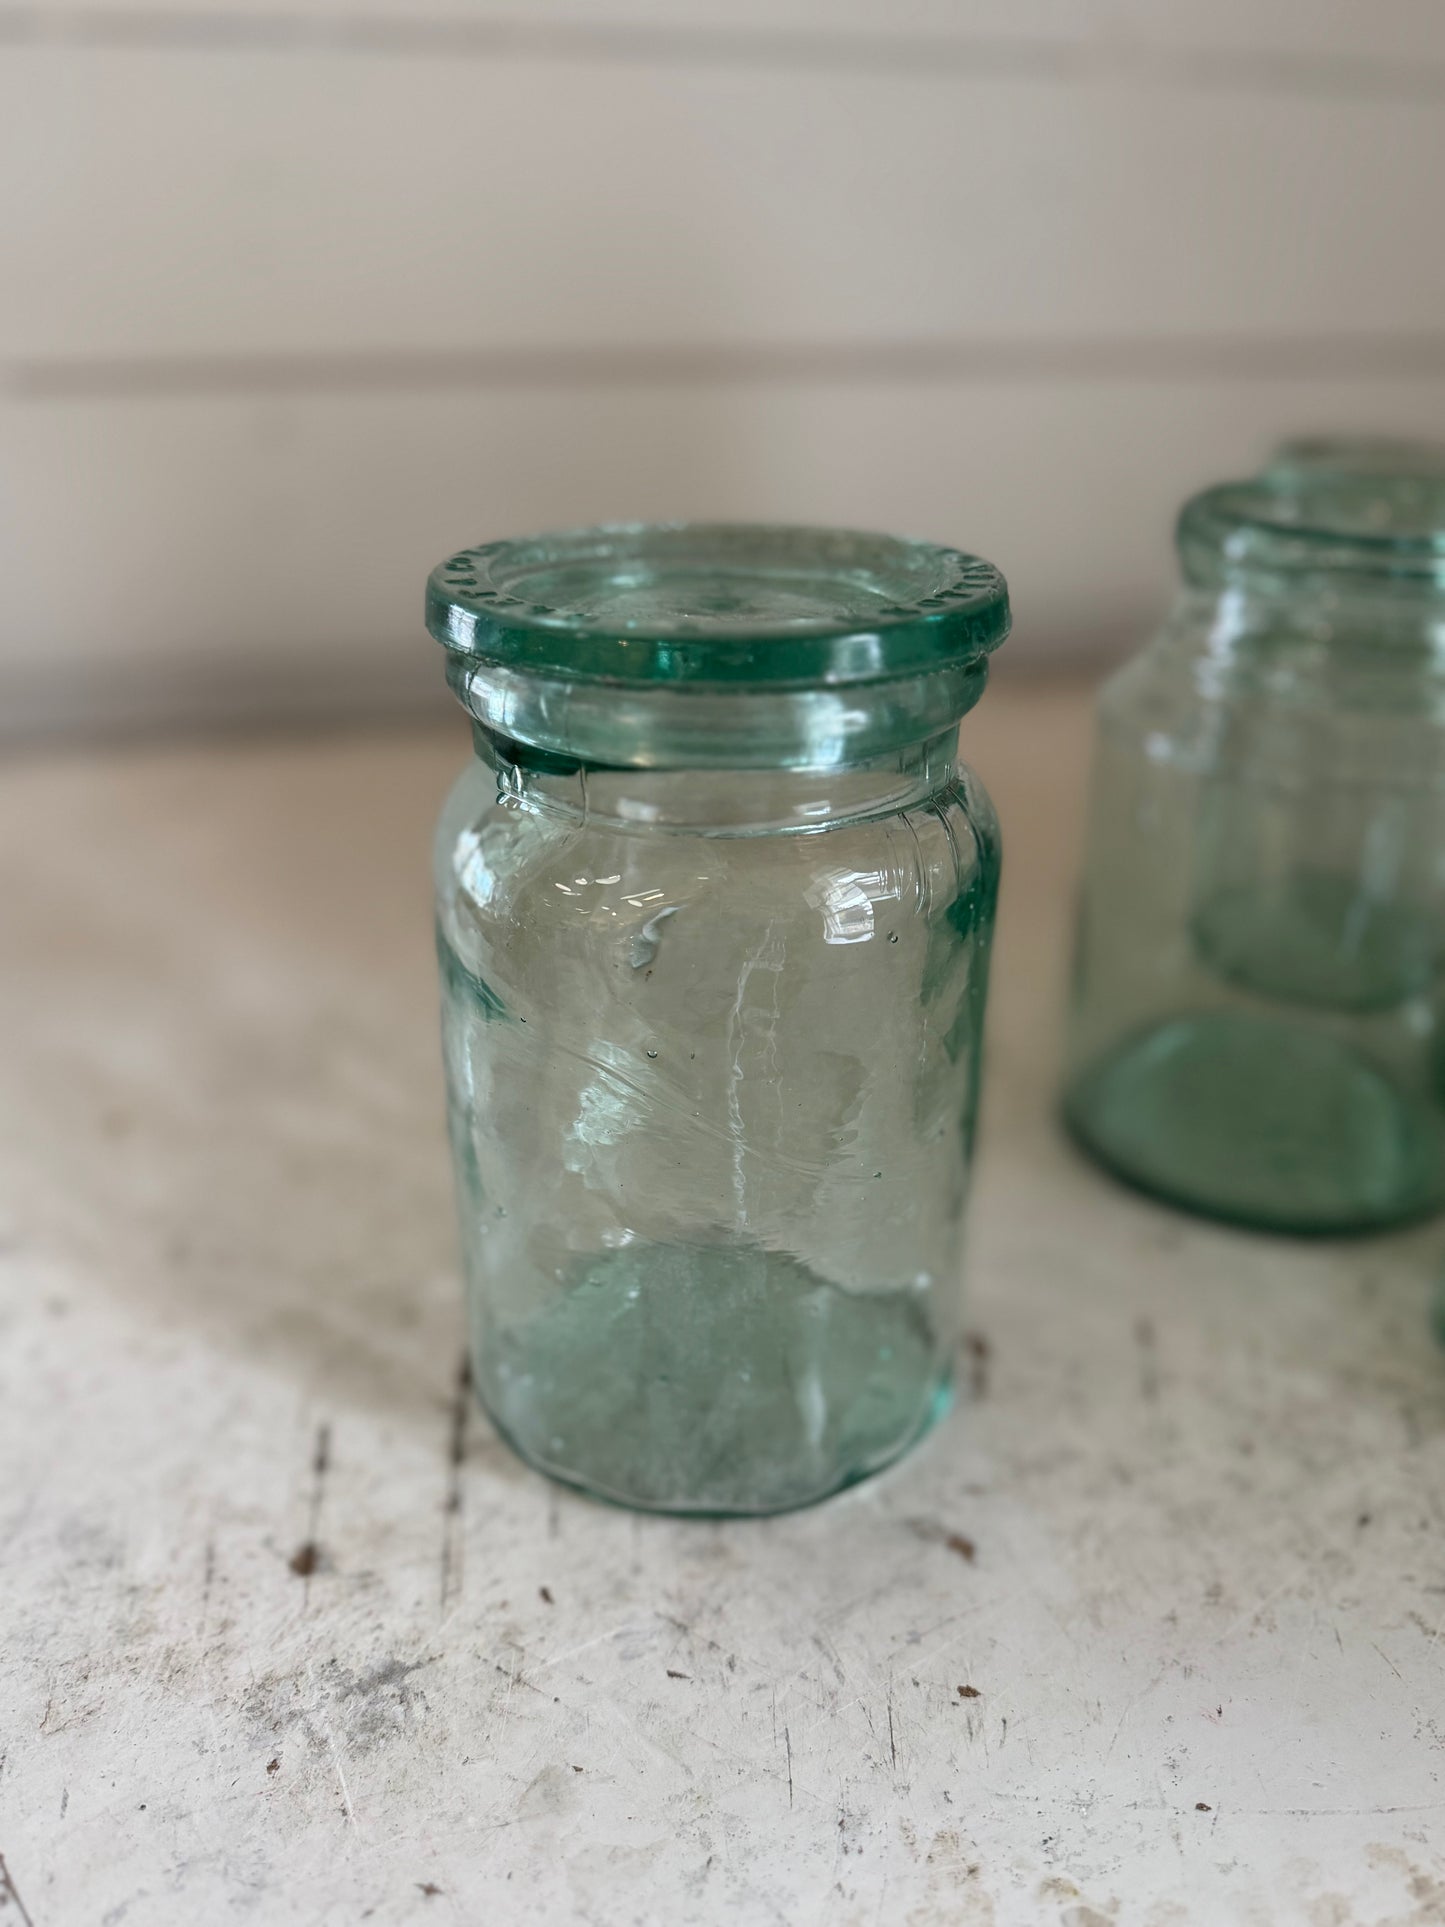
1258, 1026
714, 905
1390, 456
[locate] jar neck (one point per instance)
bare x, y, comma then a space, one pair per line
722, 802
694, 727
1378, 648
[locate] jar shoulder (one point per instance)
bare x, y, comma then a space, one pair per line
1163, 672
1307, 667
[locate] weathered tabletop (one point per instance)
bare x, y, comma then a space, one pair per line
1149, 1632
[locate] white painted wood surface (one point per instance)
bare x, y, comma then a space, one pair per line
329, 204
296, 297
231, 557
1149, 1633
1388, 29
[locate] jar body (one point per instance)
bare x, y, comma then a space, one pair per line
1258, 1020
712, 1052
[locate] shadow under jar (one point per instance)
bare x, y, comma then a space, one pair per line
714, 906
1258, 1026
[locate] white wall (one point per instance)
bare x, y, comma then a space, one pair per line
293, 302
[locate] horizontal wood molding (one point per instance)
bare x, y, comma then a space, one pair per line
165, 204
192, 557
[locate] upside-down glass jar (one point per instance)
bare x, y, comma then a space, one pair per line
714, 904
1258, 1027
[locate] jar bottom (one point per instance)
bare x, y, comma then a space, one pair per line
1261, 1122
712, 1380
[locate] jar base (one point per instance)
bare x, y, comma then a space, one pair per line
713, 1381
937, 1409
1260, 1122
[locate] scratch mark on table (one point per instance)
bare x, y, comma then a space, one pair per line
1241, 1620
208, 1580
324, 1723
453, 1537
1145, 1339
10, 1891
788, 1744
1334, 1813
598, 1639
979, 1354
939, 1535
515, 1678
1132, 1706
307, 1556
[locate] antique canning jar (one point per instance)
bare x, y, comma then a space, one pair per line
1258, 1026
714, 904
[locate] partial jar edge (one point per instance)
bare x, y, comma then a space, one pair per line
610, 725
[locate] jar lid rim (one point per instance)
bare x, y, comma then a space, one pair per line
1371, 522
717, 603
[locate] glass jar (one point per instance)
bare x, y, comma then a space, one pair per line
1361, 455
714, 905
1258, 1015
